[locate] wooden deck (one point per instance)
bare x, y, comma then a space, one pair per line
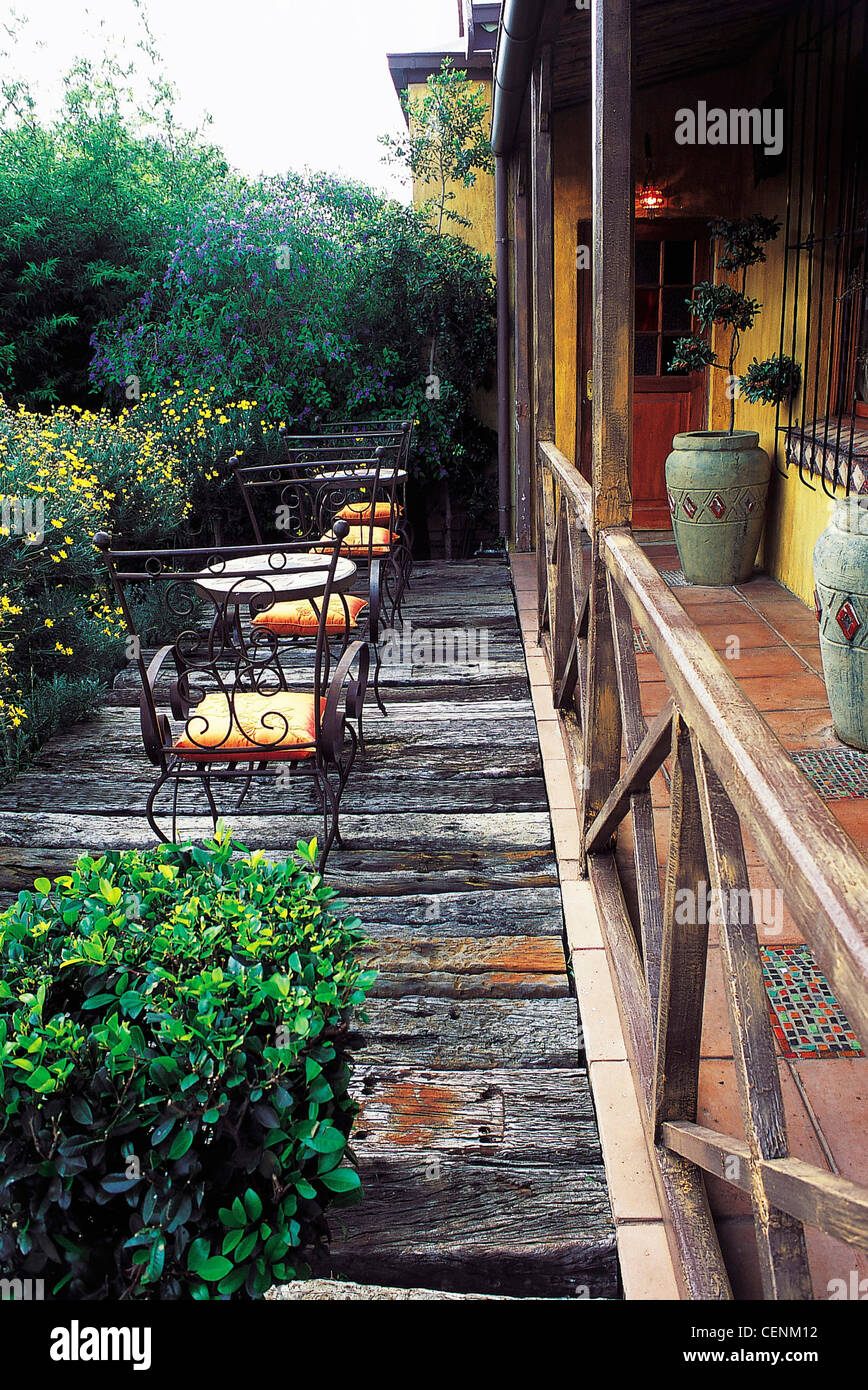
477, 1140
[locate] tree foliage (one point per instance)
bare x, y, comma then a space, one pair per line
89, 203
446, 140
741, 244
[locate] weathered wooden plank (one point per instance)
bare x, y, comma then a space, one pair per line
827, 879
684, 946
501, 967
534, 1115
471, 1034
450, 1222
812, 1195
649, 908
780, 1238
652, 751
353, 873
527, 912
124, 793
522, 830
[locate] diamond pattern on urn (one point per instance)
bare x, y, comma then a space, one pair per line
848, 620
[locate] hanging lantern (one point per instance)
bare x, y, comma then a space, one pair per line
649, 199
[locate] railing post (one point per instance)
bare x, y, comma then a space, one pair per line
521, 349
612, 419
542, 212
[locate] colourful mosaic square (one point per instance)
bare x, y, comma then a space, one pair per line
838, 774
807, 1019
640, 641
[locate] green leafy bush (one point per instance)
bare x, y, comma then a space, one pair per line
89, 205
174, 1114
312, 296
63, 477
740, 245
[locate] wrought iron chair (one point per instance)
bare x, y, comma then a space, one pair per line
237, 716
306, 499
350, 439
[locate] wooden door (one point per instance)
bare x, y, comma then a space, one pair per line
671, 256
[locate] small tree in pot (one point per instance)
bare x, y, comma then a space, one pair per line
717, 481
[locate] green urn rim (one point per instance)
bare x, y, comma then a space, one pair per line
720, 441
850, 514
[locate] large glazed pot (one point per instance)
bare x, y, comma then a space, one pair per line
841, 575
717, 485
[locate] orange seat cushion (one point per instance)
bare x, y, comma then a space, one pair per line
357, 539
261, 726
362, 511
300, 618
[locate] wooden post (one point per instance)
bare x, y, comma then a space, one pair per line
521, 348
612, 185
542, 205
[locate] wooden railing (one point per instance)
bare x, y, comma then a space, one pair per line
727, 773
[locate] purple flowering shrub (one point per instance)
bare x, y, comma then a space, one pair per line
309, 296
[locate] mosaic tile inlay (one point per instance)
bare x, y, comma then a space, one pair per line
838, 774
675, 579
640, 641
807, 1018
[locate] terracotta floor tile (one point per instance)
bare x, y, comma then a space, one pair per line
853, 815
812, 656
738, 1247
763, 586
719, 1110
803, 728
750, 631
724, 609
791, 693
762, 661
716, 1036
837, 1089
648, 667
832, 1260
797, 627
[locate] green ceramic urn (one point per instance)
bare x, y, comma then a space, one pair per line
841, 596
716, 484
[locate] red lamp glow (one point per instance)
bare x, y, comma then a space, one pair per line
650, 198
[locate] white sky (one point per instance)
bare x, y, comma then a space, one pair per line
288, 83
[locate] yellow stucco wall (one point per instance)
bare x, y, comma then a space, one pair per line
475, 203
700, 182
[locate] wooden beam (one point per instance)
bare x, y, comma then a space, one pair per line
542, 208
652, 751
612, 360
650, 907
521, 356
680, 1184
826, 878
685, 944
780, 1238
612, 262
820, 1199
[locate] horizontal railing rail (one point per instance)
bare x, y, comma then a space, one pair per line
728, 775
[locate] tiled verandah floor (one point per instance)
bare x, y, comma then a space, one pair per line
768, 640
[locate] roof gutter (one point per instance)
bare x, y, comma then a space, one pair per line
516, 44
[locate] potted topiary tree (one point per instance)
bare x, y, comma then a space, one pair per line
717, 480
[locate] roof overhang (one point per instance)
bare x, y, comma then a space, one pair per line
407, 68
